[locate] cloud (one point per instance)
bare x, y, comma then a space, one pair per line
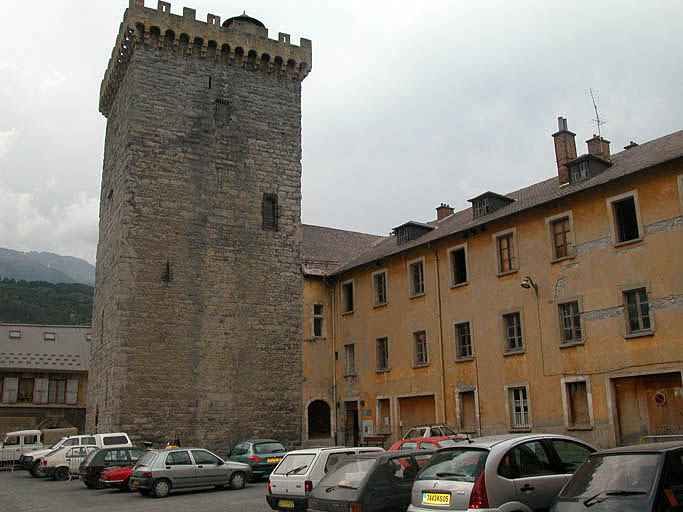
54, 80
6, 140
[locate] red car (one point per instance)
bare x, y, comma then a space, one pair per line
426, 443
118, 477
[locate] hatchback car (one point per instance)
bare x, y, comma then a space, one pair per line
379, 482
118, 477
160, 472
96, 462
426, 443
647, 478
520, 472
299, 472
261, 454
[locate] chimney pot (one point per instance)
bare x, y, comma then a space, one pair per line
443, 211
597, 146
565, 149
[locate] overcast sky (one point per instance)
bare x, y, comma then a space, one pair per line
409, 104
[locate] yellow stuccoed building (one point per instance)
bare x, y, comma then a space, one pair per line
554, 308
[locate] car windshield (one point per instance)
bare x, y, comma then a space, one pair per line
268, 448
415, 432
613, 472
53, 451
347, 474
146, 459
445, 443
464, 464
294, 464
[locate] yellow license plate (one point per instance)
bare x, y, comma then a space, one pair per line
136, 482
274, 459
286, 503
436, 498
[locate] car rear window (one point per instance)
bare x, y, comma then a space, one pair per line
349, 473
146, 459
268, 448
90, 457
109, 440
613, 472
463, 464
294, 464
445, 443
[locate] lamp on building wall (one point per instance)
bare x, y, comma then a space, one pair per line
527, 283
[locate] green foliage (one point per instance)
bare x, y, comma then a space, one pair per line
40, 302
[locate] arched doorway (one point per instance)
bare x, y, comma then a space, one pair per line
318, 420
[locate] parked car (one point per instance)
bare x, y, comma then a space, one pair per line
96, 462
160, 472
433, 431
261, 454
520, 472
17, 443
647, 478
426, 443
118, 477
30, 460
300, 471
380, 482
63, 461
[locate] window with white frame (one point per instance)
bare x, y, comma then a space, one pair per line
379, 287
519, 407
625, 218
560, 231
570, 322
578, 410
347, 297
382, 345
512, 324
637, 311
463, 341
14, 334
458, 260
49, 336
417, 278
349, 359
318, 320
420, 343
506, 251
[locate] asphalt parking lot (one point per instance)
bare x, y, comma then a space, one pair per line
21, 492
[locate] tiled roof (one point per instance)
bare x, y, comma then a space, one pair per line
324, 249
624, 163
68, 352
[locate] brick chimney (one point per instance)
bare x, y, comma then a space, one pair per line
443, 211
565, 149
597, 146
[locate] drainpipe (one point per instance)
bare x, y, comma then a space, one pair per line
440, 333
334, 349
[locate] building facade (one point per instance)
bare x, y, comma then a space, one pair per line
43, 376
197, 306
554, 308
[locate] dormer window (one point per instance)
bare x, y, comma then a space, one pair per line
586, 167
410, 231
580, 172
488, 202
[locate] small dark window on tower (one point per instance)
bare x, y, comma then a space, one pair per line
270, 212
626, 220
208, 82
222, 113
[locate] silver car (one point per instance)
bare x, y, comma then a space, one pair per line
511, 472
159, 472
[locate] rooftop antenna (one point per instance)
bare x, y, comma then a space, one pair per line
597, 120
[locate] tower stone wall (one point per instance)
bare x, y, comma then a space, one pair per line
197, 309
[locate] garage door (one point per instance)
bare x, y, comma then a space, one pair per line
416, 410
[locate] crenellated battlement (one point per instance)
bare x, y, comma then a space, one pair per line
241, 41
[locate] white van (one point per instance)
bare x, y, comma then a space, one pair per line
300, 471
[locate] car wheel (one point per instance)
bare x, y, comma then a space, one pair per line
237, 480
61, 473
96, 484
128, 485
161, 488
36, 471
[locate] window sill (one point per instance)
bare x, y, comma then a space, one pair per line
569, 344
464, 359
515, 352
420, 365
347, 312
563, 258
580, 427
382, 305
618, 245
460, 285
349, 375
507, 272
383, 370
520, 429
639, 334
416, 295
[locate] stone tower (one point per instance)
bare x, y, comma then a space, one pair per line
197, 309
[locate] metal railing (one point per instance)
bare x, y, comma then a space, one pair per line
661, 438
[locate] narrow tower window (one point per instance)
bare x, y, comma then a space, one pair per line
270, 212
222, 109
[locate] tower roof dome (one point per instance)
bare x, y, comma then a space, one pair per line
245, 18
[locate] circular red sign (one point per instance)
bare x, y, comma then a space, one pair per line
660, 398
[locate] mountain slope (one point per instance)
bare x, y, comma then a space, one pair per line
45, 266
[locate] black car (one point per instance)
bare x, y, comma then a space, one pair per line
91, 467
641, 478
380, 482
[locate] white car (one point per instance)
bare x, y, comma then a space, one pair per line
300, 471
63, 461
